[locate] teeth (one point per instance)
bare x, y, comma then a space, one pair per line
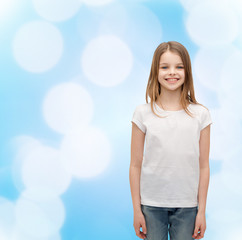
172, 79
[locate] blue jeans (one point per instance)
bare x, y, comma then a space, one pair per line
178, 222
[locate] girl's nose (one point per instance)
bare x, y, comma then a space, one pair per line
172, 70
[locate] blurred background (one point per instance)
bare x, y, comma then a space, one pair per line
71, 74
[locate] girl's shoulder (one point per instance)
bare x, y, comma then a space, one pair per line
199, 110
198, 107
143, 110
144, 107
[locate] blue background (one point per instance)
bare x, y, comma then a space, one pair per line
100, 206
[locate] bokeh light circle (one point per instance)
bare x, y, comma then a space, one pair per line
7, 218
42, 169
67, 107
37, 46
208, 64
22, 145
218, 24
56, 10
86, 154
143, 31
39, 217
107, 61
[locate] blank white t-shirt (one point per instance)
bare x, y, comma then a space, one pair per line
170, 166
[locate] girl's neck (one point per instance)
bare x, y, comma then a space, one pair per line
169, 103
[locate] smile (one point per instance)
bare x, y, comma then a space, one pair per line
172, 79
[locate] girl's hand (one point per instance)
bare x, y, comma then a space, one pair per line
200, 225
139, 221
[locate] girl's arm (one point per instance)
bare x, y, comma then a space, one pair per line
137, 149
204, 145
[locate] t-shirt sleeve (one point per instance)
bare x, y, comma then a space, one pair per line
138, 119
205, 119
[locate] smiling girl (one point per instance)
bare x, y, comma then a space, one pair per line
169, 181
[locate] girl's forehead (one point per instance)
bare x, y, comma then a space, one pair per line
170, 57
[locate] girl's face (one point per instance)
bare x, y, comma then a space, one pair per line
171, 74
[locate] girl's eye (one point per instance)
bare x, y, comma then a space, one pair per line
178, 67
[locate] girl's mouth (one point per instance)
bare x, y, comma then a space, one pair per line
172, 80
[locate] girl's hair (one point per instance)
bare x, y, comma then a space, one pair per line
153, 89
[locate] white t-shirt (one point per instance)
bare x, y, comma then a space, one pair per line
170, 166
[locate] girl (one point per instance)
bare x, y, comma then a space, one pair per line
169, 183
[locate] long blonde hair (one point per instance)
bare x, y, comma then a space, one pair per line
153, 89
